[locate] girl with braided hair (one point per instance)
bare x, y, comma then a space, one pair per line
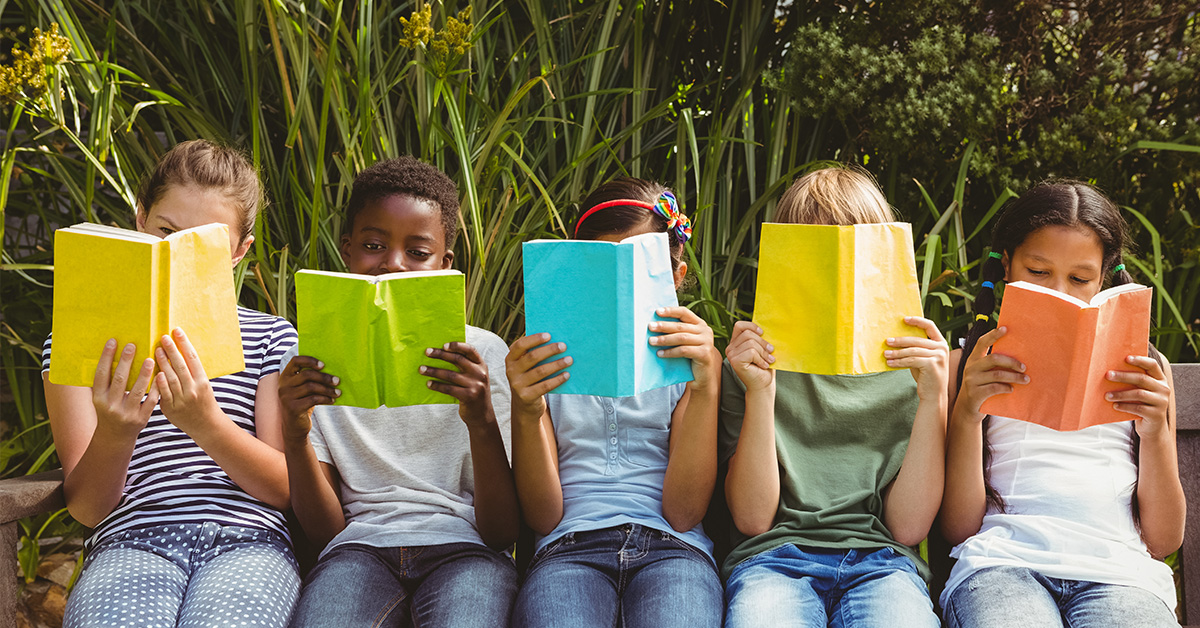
1059, 528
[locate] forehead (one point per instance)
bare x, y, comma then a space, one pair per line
400, 215
186, 206
1073, 246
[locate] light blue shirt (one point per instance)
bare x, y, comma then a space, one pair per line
612, 459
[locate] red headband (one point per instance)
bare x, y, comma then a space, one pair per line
606, 205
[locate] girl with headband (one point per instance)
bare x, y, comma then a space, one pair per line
832, 478
621, 541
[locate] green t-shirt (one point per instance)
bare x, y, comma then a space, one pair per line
840, 440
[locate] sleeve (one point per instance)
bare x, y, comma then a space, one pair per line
46, 354
493, 355
730, 413
283, 340
317, 438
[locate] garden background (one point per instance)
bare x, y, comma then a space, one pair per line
953, 105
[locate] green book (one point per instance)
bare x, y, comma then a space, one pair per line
372, 331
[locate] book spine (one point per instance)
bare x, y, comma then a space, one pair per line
845, 293
1082, 383
160, 292
627, 372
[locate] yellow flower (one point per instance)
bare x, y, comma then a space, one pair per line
27, 76
457, 34
417, 31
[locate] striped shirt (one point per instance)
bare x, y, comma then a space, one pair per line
170, 478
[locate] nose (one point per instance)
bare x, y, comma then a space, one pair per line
393, 262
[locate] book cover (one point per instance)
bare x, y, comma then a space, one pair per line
372, 331
132, 286
599, 298
829, 297
1068, 346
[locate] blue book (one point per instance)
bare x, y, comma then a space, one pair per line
599, 298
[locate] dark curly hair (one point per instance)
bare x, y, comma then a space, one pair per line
405, 176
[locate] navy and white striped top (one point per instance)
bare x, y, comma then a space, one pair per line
170, 479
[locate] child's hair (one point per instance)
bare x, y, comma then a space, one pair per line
1064, 203
840, 195
207, 165
618, 219
405, 176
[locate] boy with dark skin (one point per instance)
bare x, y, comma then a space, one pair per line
423, 506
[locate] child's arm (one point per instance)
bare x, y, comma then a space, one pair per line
692, 458
752, 485
314, 484
911, 501
95, 431
497, 513
1162, 506
964, 501
535, 452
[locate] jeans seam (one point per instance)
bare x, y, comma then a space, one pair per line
387, 610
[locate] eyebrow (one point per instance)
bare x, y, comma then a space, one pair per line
1084, 266
375, 230
170, 223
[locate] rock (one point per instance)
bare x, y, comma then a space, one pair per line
57, 568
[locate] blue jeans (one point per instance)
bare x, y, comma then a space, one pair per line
460, 585
634, 575
812, 587
194, 574
1019, 597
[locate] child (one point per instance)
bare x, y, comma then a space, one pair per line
832, 478
616, 487
184, 487
1059, 528
413, 505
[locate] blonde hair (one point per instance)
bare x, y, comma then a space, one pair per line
208, 165
842, 195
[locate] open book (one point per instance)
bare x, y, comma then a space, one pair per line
132, 286
1068, 346
372, 331
599, 298
828, 297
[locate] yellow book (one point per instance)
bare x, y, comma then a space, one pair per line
117, 283
829, 297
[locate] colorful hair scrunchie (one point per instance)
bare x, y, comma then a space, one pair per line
665, 205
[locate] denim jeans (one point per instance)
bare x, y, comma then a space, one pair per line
631, 574
459, 585
813, 587
1019, 597
192, 574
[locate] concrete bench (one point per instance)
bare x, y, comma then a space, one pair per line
34, 494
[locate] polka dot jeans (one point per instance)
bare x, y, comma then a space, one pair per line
193, 575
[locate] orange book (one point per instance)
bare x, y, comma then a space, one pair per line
1068, 347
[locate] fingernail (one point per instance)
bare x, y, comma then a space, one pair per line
568, 360
562, 346
660, 353
653, 326
429, 351
771, 359
421, 370
429, 384
1025, 378
544, 337
130, 348
320, 364
566, 376
891, 340
337, 380
446, 346
770, 347
1109, 396
178, 332
1112, 374
653, 340
760, 330
111, 344
887, 354
1022, 368
337, 392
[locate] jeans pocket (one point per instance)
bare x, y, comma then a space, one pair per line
682, 544
553, 546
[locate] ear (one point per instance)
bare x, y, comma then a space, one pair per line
1004, 261
680, 273
344, 249
447, 260
242, 249
140, 219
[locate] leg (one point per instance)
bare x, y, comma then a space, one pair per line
881, 589
1002, 597
778, 588
572, 586
467, 586
1094, 605
247, 577
122, 585
352, 585
677, 588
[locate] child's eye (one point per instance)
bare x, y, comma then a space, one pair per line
1080, 280
372, 246
165, 231
1037, 273
419, 254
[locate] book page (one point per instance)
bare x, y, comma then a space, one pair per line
108, 231
201, 299
885, 291
335, 313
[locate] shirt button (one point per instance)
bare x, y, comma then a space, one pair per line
612, 427
613, 455
613, 440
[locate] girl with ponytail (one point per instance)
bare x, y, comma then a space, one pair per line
1058, 528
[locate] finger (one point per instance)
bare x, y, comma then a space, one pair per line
670, 327
747, 327
549, 385
754, 353
446, 375
692, 352
121, 373
316, 388
190, 357
307, 403
465, 350
103, 375
533, 358
150, 403
306, 375
167, 373
457, 359
1137, 409
524, 344
165, 394
914, 352
929, 327
458, 392
546, 370
680, 312
175, 359
915, 341
142, 382
1001, 361
1004, 375
1141, 380
679, 339
302, 362
985, 342
1137, 396
1148, 364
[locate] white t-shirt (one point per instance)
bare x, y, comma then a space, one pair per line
1068, 509
406, 473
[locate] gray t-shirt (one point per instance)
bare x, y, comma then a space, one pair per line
406, 473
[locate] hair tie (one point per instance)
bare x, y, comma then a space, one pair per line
982, 317
665, 205
1119, 268
988, 284
995, 255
